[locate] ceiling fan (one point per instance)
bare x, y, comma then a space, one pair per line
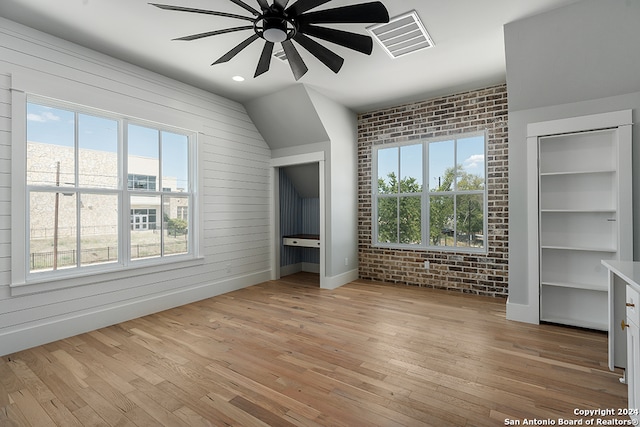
277, 23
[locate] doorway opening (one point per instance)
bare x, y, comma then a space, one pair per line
298, 217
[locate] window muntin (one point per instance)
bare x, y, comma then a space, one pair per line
75, 203
449, 213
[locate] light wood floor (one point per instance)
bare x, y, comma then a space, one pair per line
287, 353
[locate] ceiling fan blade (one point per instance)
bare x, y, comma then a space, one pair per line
214, 33
327, 57
347, 39
281, 3
265, 59
301, 6
298, 67
373, 12
236, 50
206, 12
263, 4
246, 7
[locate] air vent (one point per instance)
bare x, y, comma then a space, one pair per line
280, 55
402, 35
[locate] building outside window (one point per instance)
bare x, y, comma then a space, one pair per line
75, 159
448, 212
183, 212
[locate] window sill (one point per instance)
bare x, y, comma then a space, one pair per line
461, 250
50, 283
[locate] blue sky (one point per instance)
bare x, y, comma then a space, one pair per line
470, 154
56, 126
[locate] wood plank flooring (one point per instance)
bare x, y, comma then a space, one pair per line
286, 353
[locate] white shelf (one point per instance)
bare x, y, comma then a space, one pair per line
579, 248
600, 210
559, 153
581, 323
578, 192
586, 308
579, 172
585, 286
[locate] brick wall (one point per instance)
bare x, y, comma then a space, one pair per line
478, 110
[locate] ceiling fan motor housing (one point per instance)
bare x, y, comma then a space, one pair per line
274, 26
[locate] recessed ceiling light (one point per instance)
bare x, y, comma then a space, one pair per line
238, 78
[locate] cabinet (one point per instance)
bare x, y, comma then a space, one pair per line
624, 282
633, 350
584, 215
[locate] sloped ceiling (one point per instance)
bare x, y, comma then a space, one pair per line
305, 179
287, 118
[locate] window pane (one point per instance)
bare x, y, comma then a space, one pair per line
176, 238
470, 220
52, 231
98, 228
441, 166
410, 220
50, 146
411, 168
471, 160
387, 220
388, 170
441, 225
143, 158
175, 162
145, 226
98, 152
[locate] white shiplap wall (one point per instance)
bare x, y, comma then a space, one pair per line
234, 175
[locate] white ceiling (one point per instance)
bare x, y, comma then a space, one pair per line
468, 52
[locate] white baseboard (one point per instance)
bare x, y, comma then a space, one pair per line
522, 313
309, 267
334, 282
290, 269
32, 336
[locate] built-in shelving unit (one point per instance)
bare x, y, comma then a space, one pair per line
580, 189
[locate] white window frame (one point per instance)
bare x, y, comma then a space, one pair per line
425, 196
25, 282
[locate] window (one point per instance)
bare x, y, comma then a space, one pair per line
77, 207
448, 212
142, 182
183, 212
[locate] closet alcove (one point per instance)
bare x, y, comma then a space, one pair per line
299, 206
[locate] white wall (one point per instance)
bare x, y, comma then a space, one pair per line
577, 60
235, 190
342, 204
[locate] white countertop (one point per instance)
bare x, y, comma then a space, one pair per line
629, 271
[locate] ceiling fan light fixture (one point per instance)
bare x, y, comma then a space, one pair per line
274, 28
274, 35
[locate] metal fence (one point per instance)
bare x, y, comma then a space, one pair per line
69, 258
